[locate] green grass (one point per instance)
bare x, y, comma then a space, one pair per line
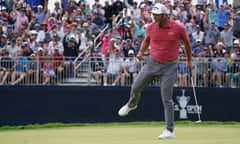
121, 133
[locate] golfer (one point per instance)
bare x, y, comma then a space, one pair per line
163, 37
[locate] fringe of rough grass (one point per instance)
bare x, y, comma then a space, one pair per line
147, 124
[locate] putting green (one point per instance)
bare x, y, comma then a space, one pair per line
123, 134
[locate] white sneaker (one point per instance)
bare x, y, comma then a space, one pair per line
166, 134
125, 110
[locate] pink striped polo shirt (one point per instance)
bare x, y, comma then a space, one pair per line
164, 42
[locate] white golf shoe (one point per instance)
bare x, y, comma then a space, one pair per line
125, 110
166, 135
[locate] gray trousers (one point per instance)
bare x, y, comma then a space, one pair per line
167, 73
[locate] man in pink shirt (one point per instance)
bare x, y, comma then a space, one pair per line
162, 37
21, 19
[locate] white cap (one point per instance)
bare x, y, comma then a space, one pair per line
40, 49
33, 32
130, 52
116, 46
142, 5
3, 8
236, 41
159, 8
219, 43
72, 36
39, 6
198, 40
175, 13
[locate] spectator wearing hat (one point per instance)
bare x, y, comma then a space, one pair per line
6, 15
130, 68
21, 19
5, 26
227, 36
144, 12
97, 19
31, 74
60, 29
40, 14
13, 48
182, 14
211, 15
114, 67
26, 50
3, 40
236, 48
219, 68
71, 47
128, 45
47, 39
71, 50
56, 42
219, 49
33, 40
97, 67
198, 50
198, 34
138, 28
41, 54
100, 11
212, 35
222, 14
40, 32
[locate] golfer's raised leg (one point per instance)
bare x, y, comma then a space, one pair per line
145, 76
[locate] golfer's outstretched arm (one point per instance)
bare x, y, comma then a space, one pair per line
144, 47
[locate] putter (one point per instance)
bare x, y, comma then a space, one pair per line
195, 97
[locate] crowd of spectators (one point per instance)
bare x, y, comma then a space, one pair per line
31, 32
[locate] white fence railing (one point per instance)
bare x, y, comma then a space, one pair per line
40, 71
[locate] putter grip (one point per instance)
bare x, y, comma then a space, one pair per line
190, 73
